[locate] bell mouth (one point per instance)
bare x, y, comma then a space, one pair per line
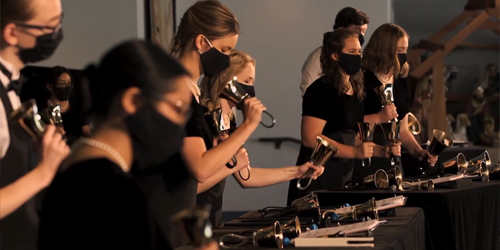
462, 163
278, 234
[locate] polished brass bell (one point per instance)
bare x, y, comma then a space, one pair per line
196, 225
271, 237
378, 180
292, 228
323, 151
440, 141
457, 164
52, 115
29, 119
395, 176
366, 131
413, 124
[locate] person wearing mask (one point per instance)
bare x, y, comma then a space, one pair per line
31, 32
60, 87
332, 107
347, 18
384, 61
207, 33
147, 102
243, 67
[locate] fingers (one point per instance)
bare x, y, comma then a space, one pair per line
49, 134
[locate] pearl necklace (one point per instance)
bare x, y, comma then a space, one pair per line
196, 88
105, 147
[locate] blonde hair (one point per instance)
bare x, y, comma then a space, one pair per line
211, 87
380, 54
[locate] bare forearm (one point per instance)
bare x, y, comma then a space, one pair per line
214, 179
410, 143
16, 194
263, 177
373, 118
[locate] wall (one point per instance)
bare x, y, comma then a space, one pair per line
280, 34
93, 26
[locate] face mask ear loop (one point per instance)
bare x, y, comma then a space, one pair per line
206, 39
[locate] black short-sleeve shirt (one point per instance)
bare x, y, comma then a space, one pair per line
401, 95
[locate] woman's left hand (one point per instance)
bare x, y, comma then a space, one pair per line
394, 149
430, 158
302, 173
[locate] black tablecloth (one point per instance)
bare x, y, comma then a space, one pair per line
404, 231
463, 218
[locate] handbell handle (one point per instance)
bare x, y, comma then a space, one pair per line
235, 162
299, 186
272, 122
244, 240
368, 164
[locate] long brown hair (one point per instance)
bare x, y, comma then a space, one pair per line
209, 18
211, 87
380, 54
333, 43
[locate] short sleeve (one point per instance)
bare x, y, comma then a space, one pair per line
311, 70
194, 125
317, 101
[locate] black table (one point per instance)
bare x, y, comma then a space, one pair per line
462, 218
404, 231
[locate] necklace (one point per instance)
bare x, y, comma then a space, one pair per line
64, 107
107, 148
383, 81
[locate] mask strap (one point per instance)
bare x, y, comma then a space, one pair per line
206, 39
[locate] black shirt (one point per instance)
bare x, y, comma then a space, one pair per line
94, 204
373, 105
341, 113
198, 127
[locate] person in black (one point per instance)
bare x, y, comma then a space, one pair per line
384, 61
243, 67
207, 33
94, 200
31, 32
60, 84
332, 107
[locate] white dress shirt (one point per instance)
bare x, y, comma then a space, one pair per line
311, 70
14, 101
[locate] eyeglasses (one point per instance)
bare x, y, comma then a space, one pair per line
179, 106
45, 29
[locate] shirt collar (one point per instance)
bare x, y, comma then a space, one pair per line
15, 73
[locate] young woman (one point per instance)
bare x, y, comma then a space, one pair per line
60, 85
207, 33
94, 201
384, 61
332, 107
243, 67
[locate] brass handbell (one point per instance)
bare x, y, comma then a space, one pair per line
321, 154
52, 114
29, 119
395, 176
196, 225
365, 210
219, 126
367, 131
484, 156
495, 168
233, 92
457, 164
292, 228
266, 237
418, 185
306, 198
307, 206
440, 141
392, 134
413, 124
378, 180
386, 96
479, 169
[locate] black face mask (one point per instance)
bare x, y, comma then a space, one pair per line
402, 59
62, 94
361, 39
45, 46
154, 138
213, 61
248, 88
350, 63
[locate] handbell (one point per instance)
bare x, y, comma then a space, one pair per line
52, 114
392, 135
219, 126
440, 141
386, 96
378, 180
196, 225
479, 169
359, 212
395, 176
495, 168
29, 119
307, 206
321, 154
457, 164
413, 124
366, 131
267, 237
484, 156
418, 185
235, 93
292, 228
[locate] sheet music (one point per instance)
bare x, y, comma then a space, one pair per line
347, 229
